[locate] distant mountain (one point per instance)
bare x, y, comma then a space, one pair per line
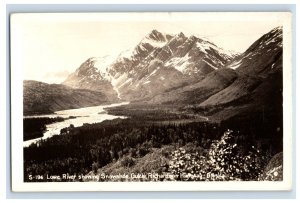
43, 98
92, 75
159, 60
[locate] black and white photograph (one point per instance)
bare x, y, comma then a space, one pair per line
157, 101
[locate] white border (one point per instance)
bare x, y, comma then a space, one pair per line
17, 119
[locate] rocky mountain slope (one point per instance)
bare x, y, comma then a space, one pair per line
88, 76
251, 78
260, 58
43, 98
256, 68
159, 60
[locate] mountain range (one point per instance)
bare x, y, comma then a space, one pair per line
159, 60
175, 69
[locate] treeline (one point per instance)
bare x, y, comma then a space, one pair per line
149, 112
86, 148
35, 127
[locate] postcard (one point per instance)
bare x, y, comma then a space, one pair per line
161, 101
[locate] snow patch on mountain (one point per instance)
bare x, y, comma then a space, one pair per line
125, 54
180, 63
265, 47
154, 39
214, 67
118, 79
206, 45
235, 64
154, 71
98, 66
117, 82
153, 43
203, 47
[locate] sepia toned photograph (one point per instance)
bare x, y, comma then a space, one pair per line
117, 100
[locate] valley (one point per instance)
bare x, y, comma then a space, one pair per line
194, 111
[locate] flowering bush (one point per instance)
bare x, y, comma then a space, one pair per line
187, 166
224, 161
227, 162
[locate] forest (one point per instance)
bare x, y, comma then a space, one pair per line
35, 127
88, 148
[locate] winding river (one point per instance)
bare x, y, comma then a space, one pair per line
94, 114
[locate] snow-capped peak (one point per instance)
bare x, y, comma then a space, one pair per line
155, 39
149, 62
125, 54
102, 65
179, 35
156, 36
152, 40
204, 45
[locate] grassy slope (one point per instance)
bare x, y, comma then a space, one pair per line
200, 91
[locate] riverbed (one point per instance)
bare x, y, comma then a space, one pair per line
89, 115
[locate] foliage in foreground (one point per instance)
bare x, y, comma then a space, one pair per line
226, 160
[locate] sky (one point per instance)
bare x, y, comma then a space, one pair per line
48, 47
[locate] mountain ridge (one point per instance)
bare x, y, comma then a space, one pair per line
253, 71
156, 55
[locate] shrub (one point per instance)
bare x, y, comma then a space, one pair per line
127, 161
95, 167
142, 151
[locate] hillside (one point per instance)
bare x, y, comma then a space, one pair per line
259, 84
43, 98
199, 91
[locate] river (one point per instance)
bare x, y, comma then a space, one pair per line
94, 114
